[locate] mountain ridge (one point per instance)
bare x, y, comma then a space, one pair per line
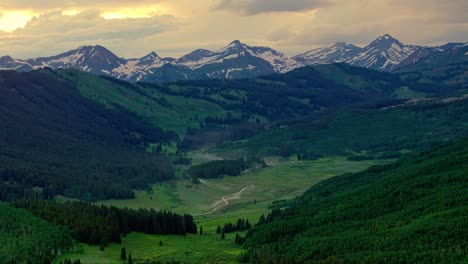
236, 60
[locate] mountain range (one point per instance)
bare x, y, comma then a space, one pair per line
236, 60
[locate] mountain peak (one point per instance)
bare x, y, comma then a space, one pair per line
235, 46
151, 56
90, 47
384, 42
342, 44
386, 38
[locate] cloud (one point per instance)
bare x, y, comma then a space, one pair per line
286, 25
429, 22
54, 32
82, 4
254, 7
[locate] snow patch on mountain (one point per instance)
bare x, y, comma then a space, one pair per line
334, 53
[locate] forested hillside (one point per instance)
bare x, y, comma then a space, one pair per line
410, 211
25, 238
361, 134
64, 129
55, 141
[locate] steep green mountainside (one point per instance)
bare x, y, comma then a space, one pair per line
360, 134
55, 141
25, 238
412, 211
170, 112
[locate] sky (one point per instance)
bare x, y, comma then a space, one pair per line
172, 28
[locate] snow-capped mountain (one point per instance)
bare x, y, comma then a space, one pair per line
385, 54
334, 53
196, 57
237, 50
8, 63
137, 69
93, 59
236, 60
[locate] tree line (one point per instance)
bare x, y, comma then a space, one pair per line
100, 225
218, 168
241, 225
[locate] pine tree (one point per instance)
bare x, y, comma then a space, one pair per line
130, 260
223, 236
123, 254
218, 230
161, 243
201, 230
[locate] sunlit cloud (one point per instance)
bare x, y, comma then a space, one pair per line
12, 20
137, 12
70, 12
132, 28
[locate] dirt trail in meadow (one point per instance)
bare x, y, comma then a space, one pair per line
225, 200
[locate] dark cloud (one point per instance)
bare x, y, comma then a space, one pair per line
254, 7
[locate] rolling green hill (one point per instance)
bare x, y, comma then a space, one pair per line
411, 211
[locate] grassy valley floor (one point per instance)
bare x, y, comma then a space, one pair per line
246, 196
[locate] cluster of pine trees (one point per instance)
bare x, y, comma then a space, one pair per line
241, 225
239, 240
69, 261
100, 225
218, 168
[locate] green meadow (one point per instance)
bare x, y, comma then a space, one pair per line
283, 179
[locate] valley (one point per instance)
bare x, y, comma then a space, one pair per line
254, 168
284, 180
